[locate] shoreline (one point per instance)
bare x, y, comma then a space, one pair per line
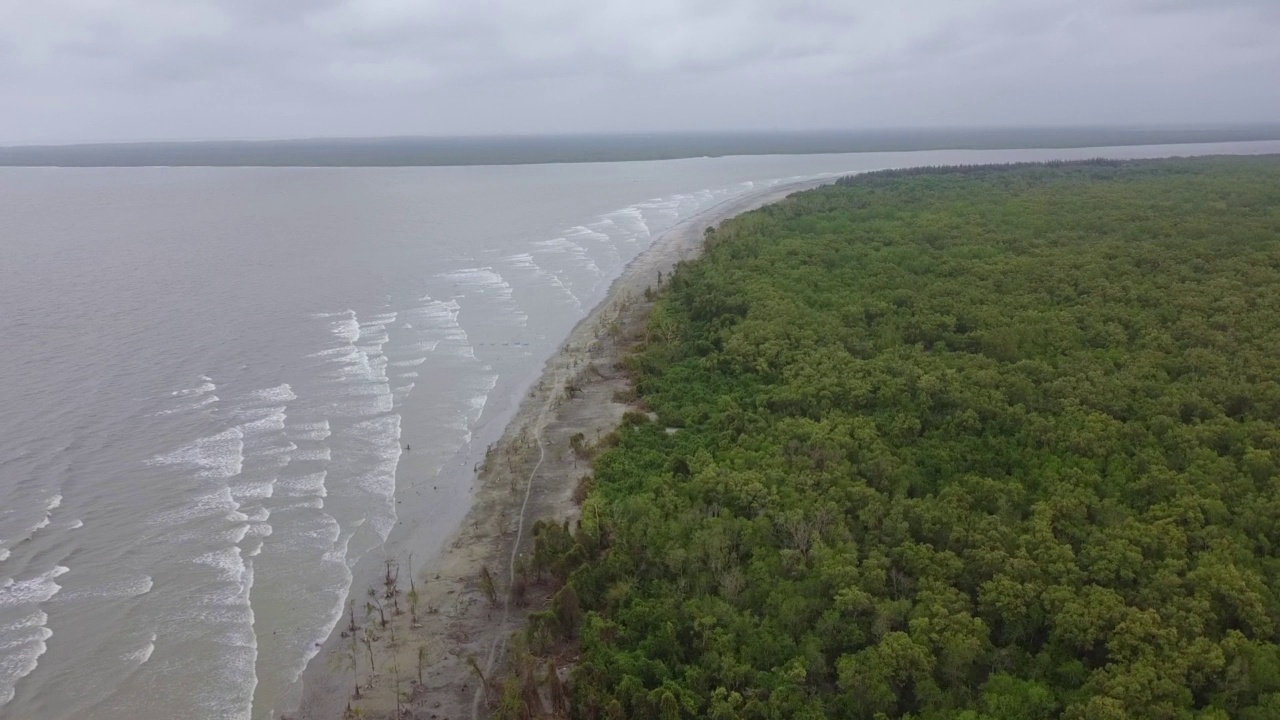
529, 474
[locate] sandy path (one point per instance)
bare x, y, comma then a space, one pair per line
528, 475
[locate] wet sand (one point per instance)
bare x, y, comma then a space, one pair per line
463, 622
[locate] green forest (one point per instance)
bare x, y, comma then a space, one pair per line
984, 443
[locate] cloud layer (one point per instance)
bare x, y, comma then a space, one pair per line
75, 70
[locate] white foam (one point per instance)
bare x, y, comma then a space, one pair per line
76, 524
374, 337
484, 279
29, 621
304, 485
312, 504
278, 394
402, 392
489, 283
142, 654
408, 375
227, 561
259, 530
584, 231
205, 387
383, 433
50, 505
363, 405
630, 220
340, 350
217, 503
253, 489
313, 431
33, 590
216, 456
20, 653
4, 554
565, 245
202, 402
273, 421
348, 328
555, 280
425, 346
285, 450
415, 362
525, 261
119, 588
478, 401
313, 454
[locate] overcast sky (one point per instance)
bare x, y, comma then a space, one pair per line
88, 70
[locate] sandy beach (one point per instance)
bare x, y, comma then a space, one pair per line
432, 651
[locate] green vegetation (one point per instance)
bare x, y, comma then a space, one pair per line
979, 443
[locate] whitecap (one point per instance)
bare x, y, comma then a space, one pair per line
312, 504
232, 568
426, 346
304, 485
253, 489
205, 387
280, 393
202, 402
313, 431
564, 245
583, 231
118, 588
273, 421
32, 590
347, 329
373, 337
313, 454
259, 530
415, 362
402, 392
21, 654
50, 505
478, 401
340, 350
216, 456
142, 654
216, 503
285, 450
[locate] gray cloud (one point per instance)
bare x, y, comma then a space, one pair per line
73, 70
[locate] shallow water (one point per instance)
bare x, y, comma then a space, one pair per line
209, 376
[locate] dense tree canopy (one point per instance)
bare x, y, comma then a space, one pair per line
992, 443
